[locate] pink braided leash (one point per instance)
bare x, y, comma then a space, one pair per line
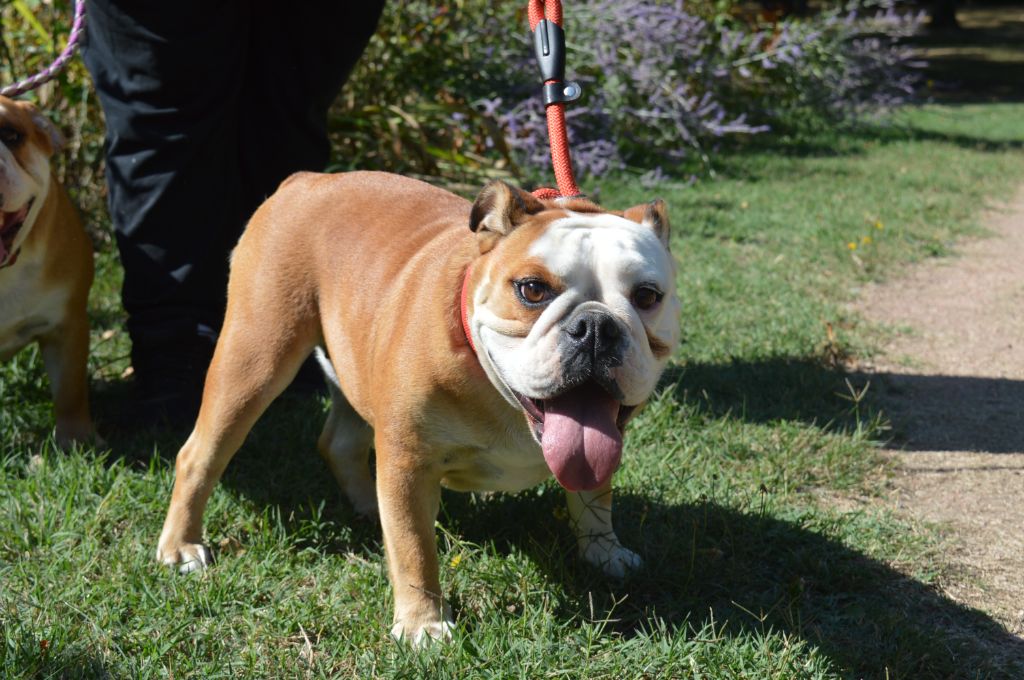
51, 71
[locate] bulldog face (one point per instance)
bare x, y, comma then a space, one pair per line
574, 315
27, 140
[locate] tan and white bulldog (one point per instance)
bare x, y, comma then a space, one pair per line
46, 265
478, 347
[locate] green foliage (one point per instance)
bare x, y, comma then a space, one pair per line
447, 91
409, 105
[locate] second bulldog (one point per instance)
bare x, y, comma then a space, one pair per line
46, 266
478, 346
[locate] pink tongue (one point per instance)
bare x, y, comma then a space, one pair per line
581, 442
10, 218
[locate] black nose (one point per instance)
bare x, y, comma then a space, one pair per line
594, 337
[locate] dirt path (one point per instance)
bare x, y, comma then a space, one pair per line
952, 381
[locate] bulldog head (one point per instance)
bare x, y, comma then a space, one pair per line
27, 140
573, 313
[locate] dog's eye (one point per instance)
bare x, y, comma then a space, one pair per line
533, 292
10, 136
646, 297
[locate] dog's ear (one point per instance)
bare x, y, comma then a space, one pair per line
653, 215
501, 207
49, 134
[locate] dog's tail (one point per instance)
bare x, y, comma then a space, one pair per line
325, 363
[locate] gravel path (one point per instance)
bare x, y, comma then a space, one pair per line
952, 382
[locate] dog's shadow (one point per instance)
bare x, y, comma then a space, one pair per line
277, 467
744, 571
745, 574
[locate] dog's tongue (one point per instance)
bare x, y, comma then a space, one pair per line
8, 220
581, 443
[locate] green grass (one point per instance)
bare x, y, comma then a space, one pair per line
752, 570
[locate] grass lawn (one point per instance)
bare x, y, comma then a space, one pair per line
730, 485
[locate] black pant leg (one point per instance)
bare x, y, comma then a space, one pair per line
209, 106
169, 77
301, 55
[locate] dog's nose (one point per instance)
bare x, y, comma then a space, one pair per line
597, 336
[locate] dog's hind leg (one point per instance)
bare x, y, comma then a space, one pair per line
345, 445
247, 373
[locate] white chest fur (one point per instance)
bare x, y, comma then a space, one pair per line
512, 463
27, 308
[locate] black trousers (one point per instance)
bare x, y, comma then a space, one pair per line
209, 105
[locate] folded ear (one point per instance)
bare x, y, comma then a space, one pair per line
501, 207
653, 215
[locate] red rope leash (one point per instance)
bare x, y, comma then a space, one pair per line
549, 42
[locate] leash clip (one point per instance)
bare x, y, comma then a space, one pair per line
549, 46
560, 93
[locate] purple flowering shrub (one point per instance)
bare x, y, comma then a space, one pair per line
662, 85
453, 89
650, 88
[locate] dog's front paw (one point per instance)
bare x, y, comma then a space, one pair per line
188, 557
420, 635
611, 557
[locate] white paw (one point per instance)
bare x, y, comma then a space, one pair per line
363, 500
419, 636
611, 558
188, 557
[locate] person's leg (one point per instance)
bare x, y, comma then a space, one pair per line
299, 60
207, 112
169, 81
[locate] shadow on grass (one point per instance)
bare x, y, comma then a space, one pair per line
765, 391
983, 60
747, 572
742, 570
29, 656
926, 412
277, 468
848, 141
951, 413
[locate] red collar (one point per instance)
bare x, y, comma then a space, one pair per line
462, 311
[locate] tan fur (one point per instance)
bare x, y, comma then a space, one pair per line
50, 280
658, 346
369, 266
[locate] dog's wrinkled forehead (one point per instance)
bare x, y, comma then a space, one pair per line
601, 245
572, 240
